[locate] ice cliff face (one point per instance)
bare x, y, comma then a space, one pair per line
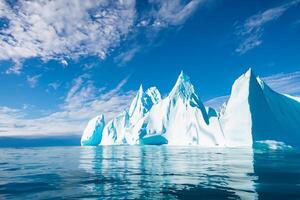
181, 119
93, 133
119, 129
142, 103
235, 118
254, 112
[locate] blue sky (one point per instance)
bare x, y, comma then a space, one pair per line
63, 62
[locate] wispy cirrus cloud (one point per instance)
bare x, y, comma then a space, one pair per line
82, 102
162, 15
54, 85
251, 31
33, 80
63, 30
173, 12
285, 83
217, 102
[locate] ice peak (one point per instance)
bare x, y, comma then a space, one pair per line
141, 90
183, 86
247, 78
149, 90
142, 103
183, 77
154, 94
137, 100
249, 73
181, 74
101, 118
250, 69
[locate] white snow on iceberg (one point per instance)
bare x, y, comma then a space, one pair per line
181, 119
142, 103
254, 112
120, 130
92, 134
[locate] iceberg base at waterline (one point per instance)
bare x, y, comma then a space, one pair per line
271, 145
253, 113
92, 135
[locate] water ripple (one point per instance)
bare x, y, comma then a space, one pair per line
148, 172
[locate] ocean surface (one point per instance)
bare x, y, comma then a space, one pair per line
148, 172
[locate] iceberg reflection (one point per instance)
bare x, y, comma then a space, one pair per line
128, 172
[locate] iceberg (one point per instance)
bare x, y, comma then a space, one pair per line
114, 131
271, 145
181, 119
254, 112
142, 103
92, 134
120, 129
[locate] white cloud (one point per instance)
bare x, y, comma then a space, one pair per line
126, 56
82, 102
173, 12
54, 85
15, 69
217, 102
61, 29
162, 15
250, 33
64, 62
33, 80
285, 83
288, 83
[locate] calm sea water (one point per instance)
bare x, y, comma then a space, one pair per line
148, 172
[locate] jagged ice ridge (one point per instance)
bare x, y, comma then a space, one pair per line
253, 114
